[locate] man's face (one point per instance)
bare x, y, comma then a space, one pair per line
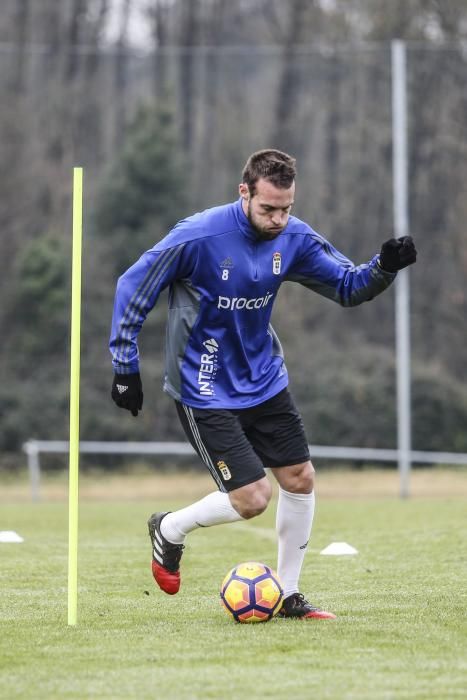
268, 209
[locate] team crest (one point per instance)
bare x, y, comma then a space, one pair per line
224, 470
276, 263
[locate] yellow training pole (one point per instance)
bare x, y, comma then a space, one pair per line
74, 395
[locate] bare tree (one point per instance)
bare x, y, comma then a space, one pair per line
159, 13
74, 36
289, 83
20, 32
120, 80
95, 36
215, 37
189, 36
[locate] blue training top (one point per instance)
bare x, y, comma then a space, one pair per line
221, 350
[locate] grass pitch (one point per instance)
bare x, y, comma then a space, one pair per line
401, 630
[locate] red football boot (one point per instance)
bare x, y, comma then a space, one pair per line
165, 557
296, 606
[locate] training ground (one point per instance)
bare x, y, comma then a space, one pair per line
401, 629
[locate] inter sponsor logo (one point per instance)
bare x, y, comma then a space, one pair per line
212, 345
237, 303
208, 367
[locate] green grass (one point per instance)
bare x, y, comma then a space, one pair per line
401, 628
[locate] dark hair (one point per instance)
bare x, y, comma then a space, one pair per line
272, 165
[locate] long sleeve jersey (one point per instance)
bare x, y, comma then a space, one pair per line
221, 350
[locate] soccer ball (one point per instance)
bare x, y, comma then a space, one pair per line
251, 592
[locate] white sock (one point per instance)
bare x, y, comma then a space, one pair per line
294, 519
213, 509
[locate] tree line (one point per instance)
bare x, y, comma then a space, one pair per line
165, 131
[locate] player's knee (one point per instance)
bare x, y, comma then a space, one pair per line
299, 479
306, 481
253, 499
253, 507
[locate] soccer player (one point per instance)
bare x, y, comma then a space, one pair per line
224, 363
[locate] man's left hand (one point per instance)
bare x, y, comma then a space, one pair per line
397, 253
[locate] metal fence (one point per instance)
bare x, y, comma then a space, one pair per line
34, 448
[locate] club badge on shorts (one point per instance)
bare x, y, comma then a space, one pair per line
224, 470
276, 263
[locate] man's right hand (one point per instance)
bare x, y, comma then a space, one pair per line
127, 392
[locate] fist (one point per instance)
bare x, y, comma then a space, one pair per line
127, 392
397, 254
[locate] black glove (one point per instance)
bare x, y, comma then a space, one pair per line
397, 254
127, 392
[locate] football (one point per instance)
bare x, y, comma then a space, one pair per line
251, 592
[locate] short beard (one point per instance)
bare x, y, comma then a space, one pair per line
261, 234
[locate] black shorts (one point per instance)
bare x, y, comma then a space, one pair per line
236, 445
